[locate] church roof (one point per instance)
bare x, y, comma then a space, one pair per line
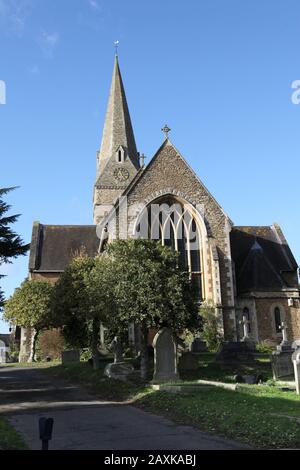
53, 246
117, 130
144, 170
263, 260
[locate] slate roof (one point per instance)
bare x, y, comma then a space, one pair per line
53, 246
263, 260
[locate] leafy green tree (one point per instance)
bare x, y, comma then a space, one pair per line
150, 290
11, 245
29, 307
100, 283
81, 301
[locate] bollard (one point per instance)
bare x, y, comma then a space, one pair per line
45, 427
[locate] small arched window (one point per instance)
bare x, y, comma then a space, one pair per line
120, 155
277, 318
246, 313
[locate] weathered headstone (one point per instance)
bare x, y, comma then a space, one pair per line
188, 361
281, 359
165, 356
118, 370
117, 349
71, 355
246, 333
2, 351
235, 351
198, 345
245, 322
296, 364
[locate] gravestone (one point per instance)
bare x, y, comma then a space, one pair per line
188, 361
117, 349
2, 351
246, 336
165, 357
198, 346
235, 351
71, 355
296, 364
281, 359
118, 370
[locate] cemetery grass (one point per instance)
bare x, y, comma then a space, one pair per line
10, 439
260, 416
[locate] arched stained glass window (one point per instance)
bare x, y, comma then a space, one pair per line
174, 224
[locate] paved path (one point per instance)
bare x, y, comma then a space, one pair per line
83, 422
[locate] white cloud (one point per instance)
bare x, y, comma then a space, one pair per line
94, 4
14, 15
48, 42
50, 39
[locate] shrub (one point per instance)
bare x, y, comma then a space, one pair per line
265, 347
210, 328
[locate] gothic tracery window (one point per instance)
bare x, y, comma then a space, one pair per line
175, 226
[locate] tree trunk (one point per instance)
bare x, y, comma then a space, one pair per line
95, 343
144, 353
34, 337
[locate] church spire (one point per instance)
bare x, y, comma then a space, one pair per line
117, 132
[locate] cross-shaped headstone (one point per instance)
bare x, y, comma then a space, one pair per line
283, 328
245, 322
166, 130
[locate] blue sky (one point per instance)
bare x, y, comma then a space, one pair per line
218, 72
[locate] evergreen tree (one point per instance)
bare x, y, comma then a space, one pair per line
11, 244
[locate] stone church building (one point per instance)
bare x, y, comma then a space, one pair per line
242, 271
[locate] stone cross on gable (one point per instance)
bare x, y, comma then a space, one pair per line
142, 159
245, 322
166, 130
283, 328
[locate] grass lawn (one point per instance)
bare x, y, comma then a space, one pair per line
254, 414
209, 369
10, 439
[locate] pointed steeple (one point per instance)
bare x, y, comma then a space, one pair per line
117, 132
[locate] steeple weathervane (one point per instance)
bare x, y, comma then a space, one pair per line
166, 130
116, 44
